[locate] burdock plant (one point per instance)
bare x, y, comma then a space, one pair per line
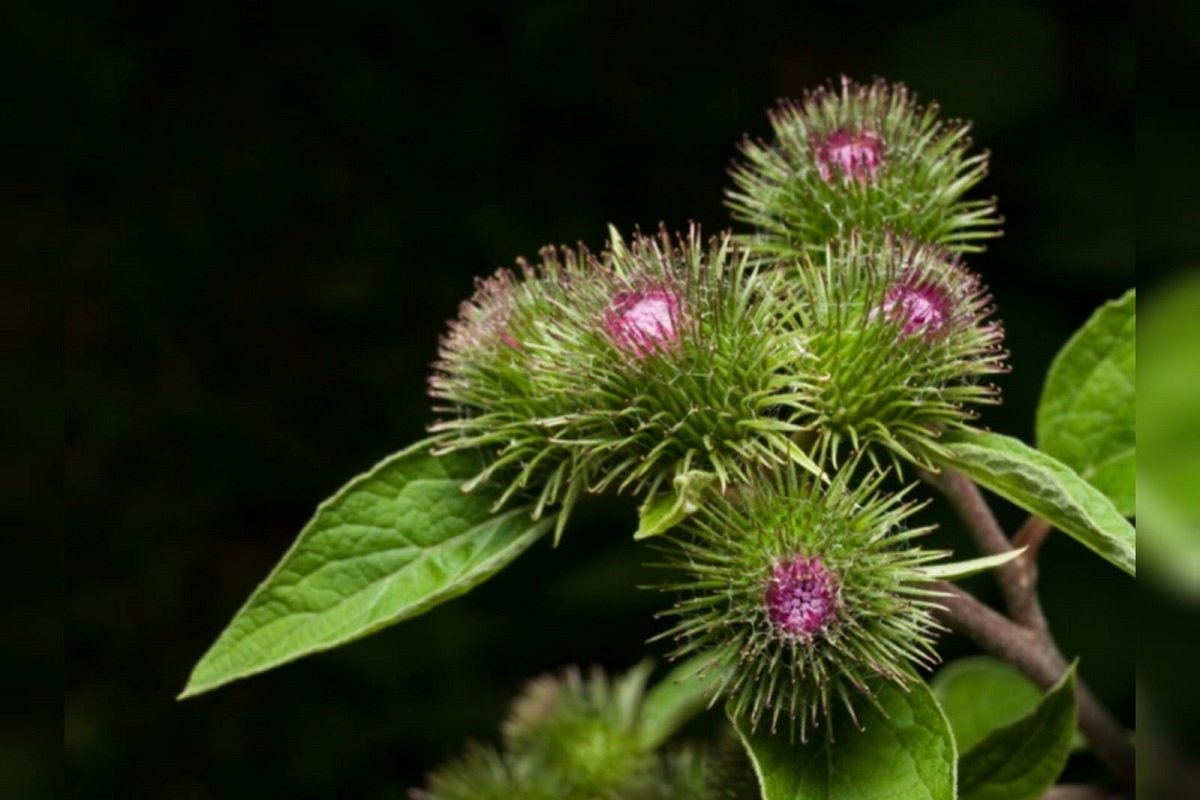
777, 400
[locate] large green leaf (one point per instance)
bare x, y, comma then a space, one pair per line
907, 752
1086, 415
391, 544
1020, 761
1048, 488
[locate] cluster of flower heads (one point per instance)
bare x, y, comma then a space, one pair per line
783, 367
571, 737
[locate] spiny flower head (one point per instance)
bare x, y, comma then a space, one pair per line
865, 158
576, 737
587, 728
625, 370
902, 340
802, 594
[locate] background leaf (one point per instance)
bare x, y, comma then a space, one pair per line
980, 694
1168, 430
906, 752
1020, 761
1086, 415
1048, 488
391, 544
673, 701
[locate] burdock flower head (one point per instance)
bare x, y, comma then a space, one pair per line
659, 358
577, 737
903, 343
860, 157
802, 594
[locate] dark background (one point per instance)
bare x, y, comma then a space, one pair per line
275, 208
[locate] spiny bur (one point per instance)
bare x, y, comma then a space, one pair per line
802, 595
866, 158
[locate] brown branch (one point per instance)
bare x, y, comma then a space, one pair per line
1032, 535
1035, 654
1017, 578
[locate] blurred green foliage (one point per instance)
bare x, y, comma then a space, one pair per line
274, 207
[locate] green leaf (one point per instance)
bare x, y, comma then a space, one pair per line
1020, 761
1168, 434
1048, 488
662, 512
1086, 415
905, 753
674, 700
391, 544
956, 570
980, 694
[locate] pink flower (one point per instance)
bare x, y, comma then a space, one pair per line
857, 155
802, 597
921, 309
643, 321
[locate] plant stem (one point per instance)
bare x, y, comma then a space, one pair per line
1036, 654
1017, 578
1032, 535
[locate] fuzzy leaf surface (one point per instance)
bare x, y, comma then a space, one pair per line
391, 544
1044, 486
1022, 760
906, 753
1086, 415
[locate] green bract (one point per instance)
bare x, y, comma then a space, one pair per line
864, 158
625, 370
801, 593
900, 334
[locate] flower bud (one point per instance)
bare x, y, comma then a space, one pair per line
571, 737
625, 370
865, 158
802, 594
901, 336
